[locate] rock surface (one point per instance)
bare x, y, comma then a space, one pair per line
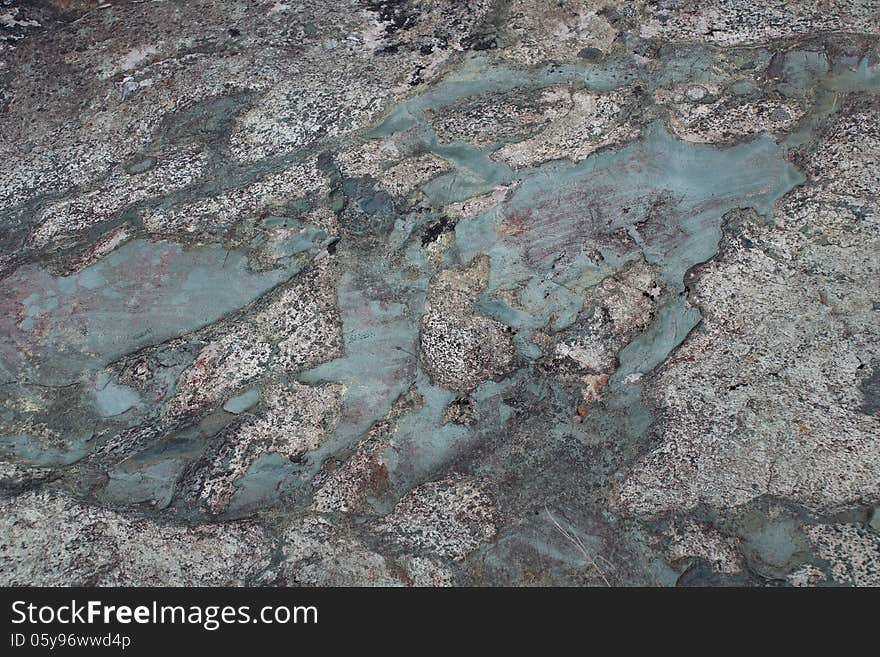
433, 293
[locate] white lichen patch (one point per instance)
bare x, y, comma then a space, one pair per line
369, 157
129, 61
538, 32
735, 22
53, 540
449, 518
296, 419
316, 553
502, 116
305, 321
846, 161
694, 540
475, 206
241, 206
807, 575
406, 176
13, 19
852, 551
121, 189
765, 397
106, 244
459, 349
360, 483
592, 122
297, 329
397, 167
726, 120
288, 118
349, 487
16, 476
619, 308
221, 367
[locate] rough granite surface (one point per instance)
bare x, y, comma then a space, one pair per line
440, 292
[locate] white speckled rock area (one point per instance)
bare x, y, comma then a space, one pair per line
398, 293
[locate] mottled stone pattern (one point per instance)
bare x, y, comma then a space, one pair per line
440, 292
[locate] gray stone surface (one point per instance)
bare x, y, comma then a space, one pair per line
385, 292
